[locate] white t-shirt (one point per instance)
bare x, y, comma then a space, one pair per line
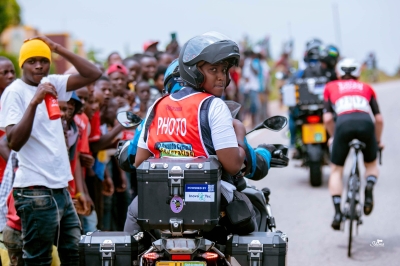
252, 83
220, 121
43, 160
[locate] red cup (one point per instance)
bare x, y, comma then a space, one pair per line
53, 109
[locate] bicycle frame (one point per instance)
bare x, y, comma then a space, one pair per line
353, 198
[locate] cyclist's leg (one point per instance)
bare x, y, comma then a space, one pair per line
371, 169
371, 174
336, 188
340, 149
367, 135
335, 180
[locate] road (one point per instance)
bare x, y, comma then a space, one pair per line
305, 213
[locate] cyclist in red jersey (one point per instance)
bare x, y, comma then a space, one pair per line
351, 101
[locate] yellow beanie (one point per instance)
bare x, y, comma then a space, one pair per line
33, 48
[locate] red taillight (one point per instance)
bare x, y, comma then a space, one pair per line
181, 257
312, 119
151, 256
210, 256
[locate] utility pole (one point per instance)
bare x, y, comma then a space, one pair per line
336, 23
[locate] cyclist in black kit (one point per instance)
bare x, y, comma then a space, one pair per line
351, 101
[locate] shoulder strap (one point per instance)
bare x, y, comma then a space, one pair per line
205, 126
150, 118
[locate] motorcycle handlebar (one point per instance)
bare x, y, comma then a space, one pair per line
279, 156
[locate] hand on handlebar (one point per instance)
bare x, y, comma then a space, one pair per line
269, 147
381, 146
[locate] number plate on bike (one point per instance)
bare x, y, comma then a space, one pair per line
181, 263
313, 133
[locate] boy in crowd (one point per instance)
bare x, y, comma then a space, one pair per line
85, 159
7, 76
133, 68
115, 205
118, 76
114, 58
158, 87
40, 187
143, 96
7, 73
148, 68
164, 59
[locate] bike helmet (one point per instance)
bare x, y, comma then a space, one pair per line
312, 50
348, 66
211, 47
172, 78
329, 55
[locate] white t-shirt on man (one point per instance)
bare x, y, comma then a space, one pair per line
43, 160
251, 81
220, 121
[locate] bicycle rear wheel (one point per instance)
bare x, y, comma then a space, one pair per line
352, 216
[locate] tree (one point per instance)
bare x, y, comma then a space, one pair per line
9, 13
92, 55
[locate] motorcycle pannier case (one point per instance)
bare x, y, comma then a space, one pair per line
108, 248
267, 248
179, 194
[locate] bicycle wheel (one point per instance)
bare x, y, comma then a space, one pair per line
352, 215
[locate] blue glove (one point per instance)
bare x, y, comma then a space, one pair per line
132, 149
260, 162
266, 154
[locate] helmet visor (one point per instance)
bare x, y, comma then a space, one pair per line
197, 44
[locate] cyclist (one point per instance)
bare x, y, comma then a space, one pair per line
352, 101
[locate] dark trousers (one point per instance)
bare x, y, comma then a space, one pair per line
48, 216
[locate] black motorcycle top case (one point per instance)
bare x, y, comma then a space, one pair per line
270, 246
307, 95
179, 189
91, 246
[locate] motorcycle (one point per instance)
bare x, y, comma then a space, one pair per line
173, 191
305, 98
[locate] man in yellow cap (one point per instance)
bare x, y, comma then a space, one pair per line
40, 190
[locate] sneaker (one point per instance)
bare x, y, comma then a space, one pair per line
369, 201
337, 220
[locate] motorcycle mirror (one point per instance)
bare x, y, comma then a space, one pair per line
275, 123
128, 119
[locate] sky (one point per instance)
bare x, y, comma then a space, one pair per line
123, 25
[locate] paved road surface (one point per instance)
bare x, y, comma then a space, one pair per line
305, 213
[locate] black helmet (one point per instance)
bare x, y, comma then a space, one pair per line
312, 50
329, 55
211, 47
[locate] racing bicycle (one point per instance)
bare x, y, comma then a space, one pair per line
353, 207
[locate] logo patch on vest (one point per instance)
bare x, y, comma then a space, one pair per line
174, 149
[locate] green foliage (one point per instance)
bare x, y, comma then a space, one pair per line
92, 55
9, 14
14, 60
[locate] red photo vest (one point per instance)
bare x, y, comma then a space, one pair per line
175, 130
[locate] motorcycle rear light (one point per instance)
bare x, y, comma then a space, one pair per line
151, 256
210, 256
312, 119
181, 257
